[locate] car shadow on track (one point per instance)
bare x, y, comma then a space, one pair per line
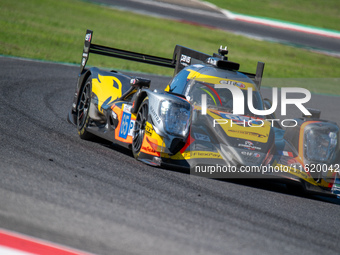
271, 185
284, 188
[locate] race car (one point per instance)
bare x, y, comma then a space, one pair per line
193, 122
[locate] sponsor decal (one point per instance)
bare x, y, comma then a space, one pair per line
203, 154
246, 153
251, 154
249, 145
233, 83
148, 149
248, 133
88, 37
256, 155
132, 125
127, 108
212, 61
241, 85
155, 115
148, 130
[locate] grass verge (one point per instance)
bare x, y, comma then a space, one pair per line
318, 13
54, 30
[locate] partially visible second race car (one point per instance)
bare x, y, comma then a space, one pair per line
191, 124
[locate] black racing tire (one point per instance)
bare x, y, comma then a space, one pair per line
83, 109
139, 128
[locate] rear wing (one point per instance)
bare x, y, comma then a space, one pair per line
89, 47
181, 58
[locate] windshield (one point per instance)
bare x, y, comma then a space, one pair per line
219, 98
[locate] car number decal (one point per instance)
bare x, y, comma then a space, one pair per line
125, 125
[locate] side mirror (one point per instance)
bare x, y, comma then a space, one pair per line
315, 114
140, 83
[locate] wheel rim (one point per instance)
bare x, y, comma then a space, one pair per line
139, 129
83, 105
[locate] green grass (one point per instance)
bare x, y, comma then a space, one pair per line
54, 30
318, 13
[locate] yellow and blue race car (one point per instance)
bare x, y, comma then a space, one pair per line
194, 122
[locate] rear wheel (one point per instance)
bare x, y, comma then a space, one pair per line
83, 109
139, 128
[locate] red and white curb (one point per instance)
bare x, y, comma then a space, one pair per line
275, 23
281, 24
12, 243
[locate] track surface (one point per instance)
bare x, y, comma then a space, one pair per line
97, 198
214, 18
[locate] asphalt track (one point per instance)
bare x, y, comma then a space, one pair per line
202, 15
97, 198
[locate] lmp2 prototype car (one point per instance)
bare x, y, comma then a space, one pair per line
191, 123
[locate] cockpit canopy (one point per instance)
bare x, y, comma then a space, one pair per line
193, 84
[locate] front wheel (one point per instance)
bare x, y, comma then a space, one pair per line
139, 128
83, 109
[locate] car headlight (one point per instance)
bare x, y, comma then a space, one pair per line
176, 117
320, 142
